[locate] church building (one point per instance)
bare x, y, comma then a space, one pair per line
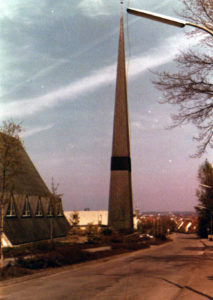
31, 213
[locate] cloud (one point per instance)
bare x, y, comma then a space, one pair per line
41, 73
95, 8
30, 106
147, 122
8, 9
160, 55
32, 131
156, 57
13, 9
138, 125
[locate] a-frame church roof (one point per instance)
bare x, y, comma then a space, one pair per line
27, 180
27, 216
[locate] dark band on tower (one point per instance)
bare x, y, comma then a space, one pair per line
121, 163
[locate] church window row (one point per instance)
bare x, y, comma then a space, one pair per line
11, 211
27, 212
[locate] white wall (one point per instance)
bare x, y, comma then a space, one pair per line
92, 216
85, 217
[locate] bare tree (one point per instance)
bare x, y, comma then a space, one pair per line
56, 203
9, 166
54, 190
191, 88
56, 196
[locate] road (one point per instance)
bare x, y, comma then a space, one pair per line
176, 270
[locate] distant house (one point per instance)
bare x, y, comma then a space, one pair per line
187, 225
31, 214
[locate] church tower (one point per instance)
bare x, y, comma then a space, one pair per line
120, 199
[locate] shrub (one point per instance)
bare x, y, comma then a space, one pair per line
106, 231
65, 255
12, 271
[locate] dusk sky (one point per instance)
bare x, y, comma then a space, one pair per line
58, 68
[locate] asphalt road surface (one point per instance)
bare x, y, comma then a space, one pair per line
181, 269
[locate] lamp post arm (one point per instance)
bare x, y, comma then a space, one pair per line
200, 27
165, 19
156, 17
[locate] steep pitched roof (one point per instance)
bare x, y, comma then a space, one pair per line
27, 180
27, 212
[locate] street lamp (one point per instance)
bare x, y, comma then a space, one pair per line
174, 22
165, 19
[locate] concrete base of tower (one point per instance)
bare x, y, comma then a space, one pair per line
120, 215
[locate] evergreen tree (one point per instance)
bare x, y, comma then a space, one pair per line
205, 200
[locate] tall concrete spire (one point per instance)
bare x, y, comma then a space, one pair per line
120, 198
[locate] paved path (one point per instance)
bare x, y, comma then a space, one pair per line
177, 270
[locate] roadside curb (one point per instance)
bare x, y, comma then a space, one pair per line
207, 243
